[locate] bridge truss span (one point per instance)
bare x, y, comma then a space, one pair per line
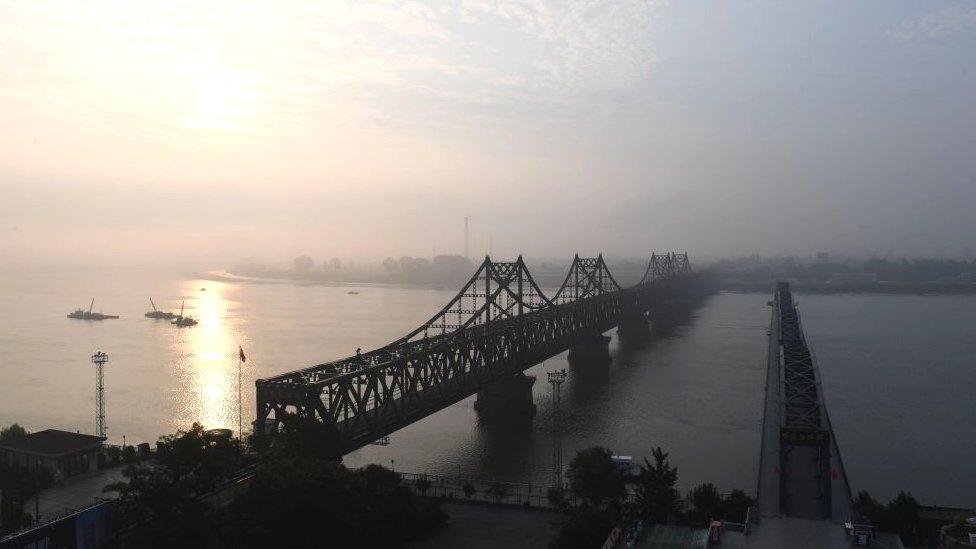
499, 324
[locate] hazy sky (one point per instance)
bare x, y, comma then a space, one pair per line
221, 130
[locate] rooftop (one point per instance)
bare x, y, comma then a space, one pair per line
52, 442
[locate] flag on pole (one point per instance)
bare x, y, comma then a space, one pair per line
241, 349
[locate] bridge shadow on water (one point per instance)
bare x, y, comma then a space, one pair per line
592, 382
518, 448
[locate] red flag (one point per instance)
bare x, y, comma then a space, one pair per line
243, 358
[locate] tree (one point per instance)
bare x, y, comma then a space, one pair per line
903, 516
422, 484
293, 500
656, 494
594, 477
114, 453
303, 264
390, 265
469, 490
336, 264
556, 496
707, 502
161, 503
736, 506
11, 433
18, 486
497, 492
587, 528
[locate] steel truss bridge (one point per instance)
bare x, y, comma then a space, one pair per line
499, 324
801, 471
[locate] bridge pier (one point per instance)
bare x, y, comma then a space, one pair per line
633, 326
591, 349
510, 395
663, 317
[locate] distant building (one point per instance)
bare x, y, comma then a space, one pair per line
852, 278
63, 453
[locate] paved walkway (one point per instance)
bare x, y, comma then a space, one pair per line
768, 486
477, 526
75, 493
797, 533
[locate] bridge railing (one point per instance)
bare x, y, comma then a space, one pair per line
481, 490
494, 318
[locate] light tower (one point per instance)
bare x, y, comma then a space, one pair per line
556, 379
99, 359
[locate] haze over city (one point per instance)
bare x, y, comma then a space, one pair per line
211, 132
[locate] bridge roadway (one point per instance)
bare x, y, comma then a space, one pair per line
801, 473
499, 324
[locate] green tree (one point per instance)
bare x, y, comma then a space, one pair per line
585, 529
707, 502
656, 495
303, 264
422, 484
11, 433
18, 486
302, 501
736, 505
497, 492
903, 516
162, 505
595, 478
556, 496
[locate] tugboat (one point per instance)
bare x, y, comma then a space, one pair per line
156, 313
184, 320
81, 314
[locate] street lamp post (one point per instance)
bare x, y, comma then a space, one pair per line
556, 379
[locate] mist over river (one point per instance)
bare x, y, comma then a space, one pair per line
897, 371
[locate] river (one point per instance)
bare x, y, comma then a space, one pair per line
896, 370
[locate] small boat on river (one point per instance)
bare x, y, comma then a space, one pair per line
81, 314
181, 320
156, 313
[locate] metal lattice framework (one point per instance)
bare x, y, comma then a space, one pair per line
498, 324
665, 266
801, 396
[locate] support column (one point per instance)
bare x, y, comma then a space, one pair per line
591, 350
633, 326
663, 317
508, 395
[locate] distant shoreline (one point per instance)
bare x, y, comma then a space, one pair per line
884, 288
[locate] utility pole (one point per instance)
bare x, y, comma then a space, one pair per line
99, 359
556, 379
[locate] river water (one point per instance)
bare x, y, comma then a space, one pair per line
897, 376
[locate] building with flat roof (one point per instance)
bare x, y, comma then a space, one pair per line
63, 453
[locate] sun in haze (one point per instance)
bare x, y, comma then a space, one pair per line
215, 97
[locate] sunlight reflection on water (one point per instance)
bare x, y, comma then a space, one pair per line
208, 358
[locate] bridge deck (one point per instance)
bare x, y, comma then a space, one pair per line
497, 325
801, 473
